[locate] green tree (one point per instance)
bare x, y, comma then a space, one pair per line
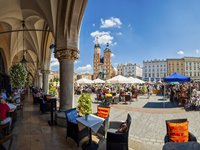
18, 75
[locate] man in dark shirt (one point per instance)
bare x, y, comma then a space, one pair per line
3, 111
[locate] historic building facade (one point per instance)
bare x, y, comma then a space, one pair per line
175, 65
102, 66
129, 70
86, 75
192, 67
154, 70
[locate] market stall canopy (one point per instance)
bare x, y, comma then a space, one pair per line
118, 79
173, 83
135, 80
177, 77
96, 81
84, 81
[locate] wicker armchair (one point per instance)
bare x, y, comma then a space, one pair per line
118, 140
74, 129
191, 136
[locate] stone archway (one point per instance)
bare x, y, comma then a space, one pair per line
45, 21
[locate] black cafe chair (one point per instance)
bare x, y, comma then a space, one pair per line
115, 139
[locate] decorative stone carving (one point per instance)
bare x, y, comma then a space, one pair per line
70, 53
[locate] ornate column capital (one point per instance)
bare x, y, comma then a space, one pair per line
45, 71
69, 53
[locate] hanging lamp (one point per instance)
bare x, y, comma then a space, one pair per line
23, 61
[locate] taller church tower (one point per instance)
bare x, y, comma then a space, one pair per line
96, 60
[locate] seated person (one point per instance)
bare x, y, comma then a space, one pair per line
16, 98
3, 94
4, 108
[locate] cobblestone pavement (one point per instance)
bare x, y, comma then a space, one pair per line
148, 127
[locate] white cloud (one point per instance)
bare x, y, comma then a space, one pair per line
119, 33
180, 52
54, 61
112, 55
112, 22
84, 69
76, 61
103, 37
93, 25
55, 64
197, 51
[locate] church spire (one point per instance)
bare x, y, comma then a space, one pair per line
96, 42
107, 48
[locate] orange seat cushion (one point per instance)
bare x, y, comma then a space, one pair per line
178, 132
103, 112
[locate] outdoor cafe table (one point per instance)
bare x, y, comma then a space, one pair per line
52, 100
93, 123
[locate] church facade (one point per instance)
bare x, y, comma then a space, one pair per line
102, 65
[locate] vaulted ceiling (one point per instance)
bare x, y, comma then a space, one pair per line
37, 32
45, 22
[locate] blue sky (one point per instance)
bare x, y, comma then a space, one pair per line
139, 30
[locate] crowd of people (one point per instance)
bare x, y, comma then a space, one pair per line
10, 103
180, 93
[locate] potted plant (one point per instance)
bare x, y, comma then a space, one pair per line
18, 75
84, 105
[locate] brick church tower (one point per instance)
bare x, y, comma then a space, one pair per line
107, 62
96, 60
102, 66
